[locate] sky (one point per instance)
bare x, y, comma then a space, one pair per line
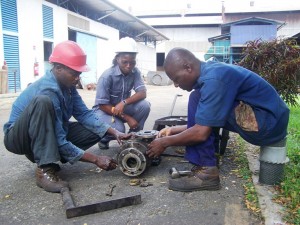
148, 7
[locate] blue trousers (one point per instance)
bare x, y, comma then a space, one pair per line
202, 154
139, 111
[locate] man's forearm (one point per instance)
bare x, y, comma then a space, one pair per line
178, 129
88, 157
191, 136
136, 97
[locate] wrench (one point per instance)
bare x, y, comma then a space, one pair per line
111, 186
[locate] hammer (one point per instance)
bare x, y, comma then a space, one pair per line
176, 173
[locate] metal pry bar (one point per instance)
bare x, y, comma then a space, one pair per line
74, 211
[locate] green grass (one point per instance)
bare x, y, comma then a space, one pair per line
289, 190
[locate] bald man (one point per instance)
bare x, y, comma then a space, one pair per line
224, 95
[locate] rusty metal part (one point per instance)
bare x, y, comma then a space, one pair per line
132, 158
74, 211
111, 188
134, 182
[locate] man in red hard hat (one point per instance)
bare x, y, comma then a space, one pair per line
39, 125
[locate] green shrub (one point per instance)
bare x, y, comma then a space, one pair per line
278, 62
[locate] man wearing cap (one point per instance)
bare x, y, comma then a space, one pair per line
39, 125
114, 102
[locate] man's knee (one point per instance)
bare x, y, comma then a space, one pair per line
145, 106
42, 101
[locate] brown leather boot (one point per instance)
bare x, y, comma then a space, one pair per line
47, 179
202, 178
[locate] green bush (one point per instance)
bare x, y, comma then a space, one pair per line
278, 62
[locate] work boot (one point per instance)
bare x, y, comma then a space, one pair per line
201, 178
47, 179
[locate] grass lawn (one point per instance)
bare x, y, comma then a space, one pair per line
289, 190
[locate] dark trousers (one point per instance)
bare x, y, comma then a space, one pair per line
202, 154
33, 134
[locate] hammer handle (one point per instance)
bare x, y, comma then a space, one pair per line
67, 198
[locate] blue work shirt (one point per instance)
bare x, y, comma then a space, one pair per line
67, 103
113, 86
222, 86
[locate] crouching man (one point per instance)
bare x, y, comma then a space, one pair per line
39, 125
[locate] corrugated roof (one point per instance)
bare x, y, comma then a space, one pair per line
109, 14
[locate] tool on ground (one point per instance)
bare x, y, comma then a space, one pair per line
74, 211
111, 188
176, 173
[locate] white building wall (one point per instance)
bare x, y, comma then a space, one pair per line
146, 59
31, 34
200, 34
31, 41
30, 31
194, 39
291, 28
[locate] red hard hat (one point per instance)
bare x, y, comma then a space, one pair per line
71, 55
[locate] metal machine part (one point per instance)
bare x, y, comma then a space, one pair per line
132, 158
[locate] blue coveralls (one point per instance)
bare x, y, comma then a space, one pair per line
113, 87
202, 154
222, 87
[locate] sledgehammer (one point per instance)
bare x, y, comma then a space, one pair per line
73, 211
176, 173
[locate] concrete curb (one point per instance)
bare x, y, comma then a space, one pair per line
270, 210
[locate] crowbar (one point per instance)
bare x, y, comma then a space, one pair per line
74, 211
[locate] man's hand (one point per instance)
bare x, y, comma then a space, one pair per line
118, 109
106, 163
155, 148
103, 162
118, 135
164, 132
132, 123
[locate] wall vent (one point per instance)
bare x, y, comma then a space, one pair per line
78, 22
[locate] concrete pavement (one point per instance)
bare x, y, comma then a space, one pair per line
22, 202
